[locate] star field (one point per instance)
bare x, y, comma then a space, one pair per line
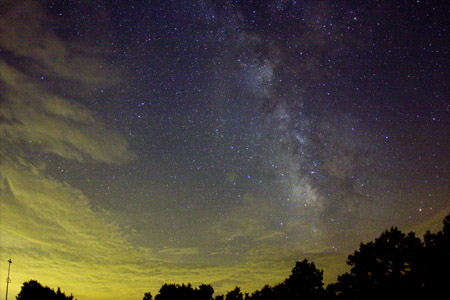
215, 142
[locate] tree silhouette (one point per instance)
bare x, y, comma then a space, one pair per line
235, 294
205, 292
305, 281
185, 292
147, 296
391, 265
267, 293
436, 272
175, 291
33, 290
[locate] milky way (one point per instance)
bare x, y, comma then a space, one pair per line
213, 142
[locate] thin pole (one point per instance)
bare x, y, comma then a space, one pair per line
7, 279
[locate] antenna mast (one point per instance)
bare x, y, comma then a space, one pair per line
7, 279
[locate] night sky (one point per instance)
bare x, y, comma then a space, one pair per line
145, 142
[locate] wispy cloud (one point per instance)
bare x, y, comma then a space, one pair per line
26, 32
52, 234
55, 124
50, 231
47, 226
40, 112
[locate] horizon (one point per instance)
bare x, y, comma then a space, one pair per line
216, 293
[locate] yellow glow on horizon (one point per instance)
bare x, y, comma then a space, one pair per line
52, 235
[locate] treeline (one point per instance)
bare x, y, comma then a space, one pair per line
35, 291
394, 266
